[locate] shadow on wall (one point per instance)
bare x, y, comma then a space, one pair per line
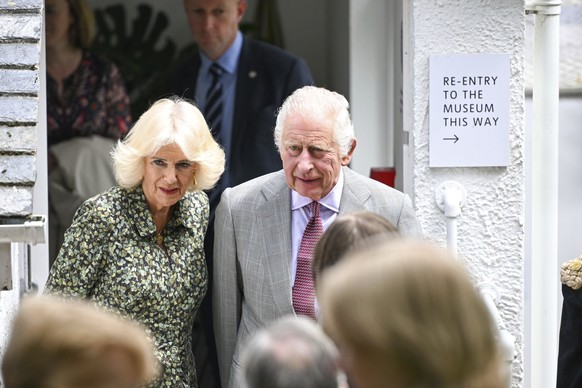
145, 54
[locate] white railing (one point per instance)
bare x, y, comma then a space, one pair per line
29, 230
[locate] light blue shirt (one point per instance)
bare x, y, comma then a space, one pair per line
229, 63
301, 213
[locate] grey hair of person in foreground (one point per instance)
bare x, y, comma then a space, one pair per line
292, 352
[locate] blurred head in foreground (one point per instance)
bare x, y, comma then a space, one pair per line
292, 352
59, 343
347, 233
406, 314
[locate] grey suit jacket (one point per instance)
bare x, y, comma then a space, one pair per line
252, 254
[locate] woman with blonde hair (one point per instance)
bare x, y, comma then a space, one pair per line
138, 248
88, 110
405, 314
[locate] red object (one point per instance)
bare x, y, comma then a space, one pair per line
303, 292
385, 175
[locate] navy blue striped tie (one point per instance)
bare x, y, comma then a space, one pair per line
213, 109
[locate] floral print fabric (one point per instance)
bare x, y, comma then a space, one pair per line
110, 257
95, 102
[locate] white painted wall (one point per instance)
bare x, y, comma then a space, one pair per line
9, 302
490, 228
570, 178
371, 83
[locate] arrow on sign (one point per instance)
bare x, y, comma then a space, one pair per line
455, 138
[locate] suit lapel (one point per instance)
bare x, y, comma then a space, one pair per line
275, 224
246, 79
190, 77
355, 193
276, 227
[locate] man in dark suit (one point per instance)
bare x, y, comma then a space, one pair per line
255, 78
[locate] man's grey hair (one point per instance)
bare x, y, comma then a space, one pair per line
292, 352
322, 106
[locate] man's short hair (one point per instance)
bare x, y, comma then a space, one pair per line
292, 352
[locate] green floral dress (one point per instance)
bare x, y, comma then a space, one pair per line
110, 257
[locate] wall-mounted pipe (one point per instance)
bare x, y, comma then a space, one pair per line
543, 285
450, 197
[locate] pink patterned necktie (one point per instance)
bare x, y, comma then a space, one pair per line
303, 293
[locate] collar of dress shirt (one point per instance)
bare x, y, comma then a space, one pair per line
331, 201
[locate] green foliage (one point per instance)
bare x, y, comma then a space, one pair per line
137, 49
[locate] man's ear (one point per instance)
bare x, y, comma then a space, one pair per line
241, 8
346, 159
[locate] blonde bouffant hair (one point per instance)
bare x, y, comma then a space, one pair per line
58, 343
168, 121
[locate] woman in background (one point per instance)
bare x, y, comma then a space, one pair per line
87, 111
138, 248
85, 92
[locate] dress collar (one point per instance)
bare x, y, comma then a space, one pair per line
185, 213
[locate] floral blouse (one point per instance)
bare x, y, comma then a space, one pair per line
95, 102
110, 257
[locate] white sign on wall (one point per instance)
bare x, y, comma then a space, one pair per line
469, 110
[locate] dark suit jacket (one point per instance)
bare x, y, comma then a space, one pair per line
266, 75
570, 352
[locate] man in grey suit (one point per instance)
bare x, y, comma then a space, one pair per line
259, 224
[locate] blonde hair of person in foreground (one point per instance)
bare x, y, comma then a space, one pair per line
70, 343
405, 314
